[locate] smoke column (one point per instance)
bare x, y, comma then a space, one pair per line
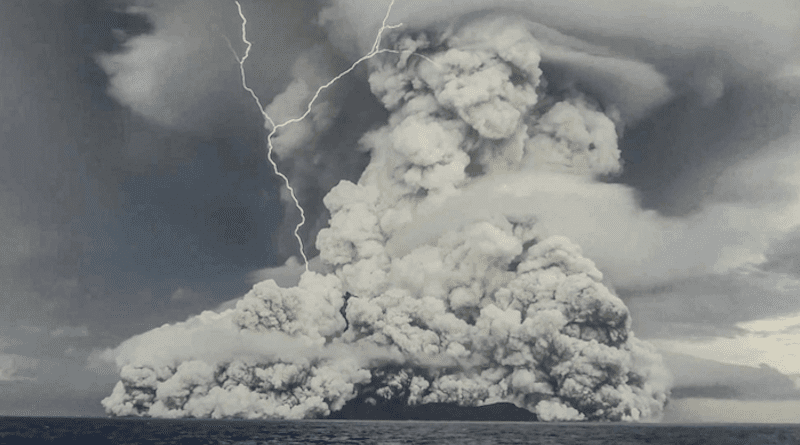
442, 280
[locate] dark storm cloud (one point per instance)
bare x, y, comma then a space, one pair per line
709, 306
676, 156
70, 156
108, 215
49, 123
183, 75
706, 378
783, 256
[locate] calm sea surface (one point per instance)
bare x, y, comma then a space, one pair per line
194, 431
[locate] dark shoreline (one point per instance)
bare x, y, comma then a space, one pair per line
497, 412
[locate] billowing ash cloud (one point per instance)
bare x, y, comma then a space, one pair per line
464, 310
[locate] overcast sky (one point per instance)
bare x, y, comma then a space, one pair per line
134, 188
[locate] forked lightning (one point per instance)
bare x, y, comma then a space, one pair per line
268, 120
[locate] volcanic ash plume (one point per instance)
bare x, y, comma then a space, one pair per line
491, 308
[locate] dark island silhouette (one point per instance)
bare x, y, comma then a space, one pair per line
382, 400
396, 410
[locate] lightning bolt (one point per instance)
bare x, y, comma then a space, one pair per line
275, 127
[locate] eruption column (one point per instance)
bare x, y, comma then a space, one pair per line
492, 307
267, 119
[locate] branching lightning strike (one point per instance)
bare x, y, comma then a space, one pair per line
267, 119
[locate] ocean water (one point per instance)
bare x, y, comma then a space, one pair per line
198, 431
